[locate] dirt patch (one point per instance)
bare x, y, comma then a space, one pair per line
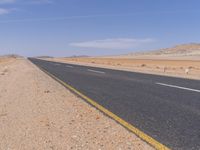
36, 112
6, 60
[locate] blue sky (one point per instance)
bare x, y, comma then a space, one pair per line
95, 27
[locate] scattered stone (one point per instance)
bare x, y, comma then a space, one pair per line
47, 91
143, 65
97, 118
3, 115
48, 121
187, 71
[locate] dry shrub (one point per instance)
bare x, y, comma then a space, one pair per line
143, 65
190, 67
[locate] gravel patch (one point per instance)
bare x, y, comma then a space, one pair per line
37, 113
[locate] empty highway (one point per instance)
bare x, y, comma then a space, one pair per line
165, 108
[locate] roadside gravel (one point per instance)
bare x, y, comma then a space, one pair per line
36, 112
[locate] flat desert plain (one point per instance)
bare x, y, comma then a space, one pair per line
6, 60
180, 61
186, 67
37, 113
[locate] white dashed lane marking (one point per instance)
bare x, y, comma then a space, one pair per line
69, 66
178, 87
95, 71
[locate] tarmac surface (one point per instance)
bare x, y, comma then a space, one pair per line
165, 108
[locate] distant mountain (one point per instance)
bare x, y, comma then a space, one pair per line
44, 57
192, 49
78, 56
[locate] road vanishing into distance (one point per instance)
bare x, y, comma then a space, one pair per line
165, 108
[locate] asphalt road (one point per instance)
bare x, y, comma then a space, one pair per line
165, 108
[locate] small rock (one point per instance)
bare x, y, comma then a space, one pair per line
74, 136
187, 71
47, 91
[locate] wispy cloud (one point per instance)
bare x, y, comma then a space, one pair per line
57, 18
116, 43
79, 16
4, 11
39, 1
26, 1
7, 1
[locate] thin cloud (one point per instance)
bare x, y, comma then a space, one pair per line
57, 18
7, 1
118, 43
26, 1
39, 1
4, 11
83, 16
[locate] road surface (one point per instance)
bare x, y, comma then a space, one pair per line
165, 108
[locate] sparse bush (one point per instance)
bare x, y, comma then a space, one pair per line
143, 65
190, 67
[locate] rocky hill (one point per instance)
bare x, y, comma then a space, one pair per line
192, 49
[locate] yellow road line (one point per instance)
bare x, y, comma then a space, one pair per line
157, 145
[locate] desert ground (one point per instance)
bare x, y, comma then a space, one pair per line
185, 68
36, 112
179, 61
6, 60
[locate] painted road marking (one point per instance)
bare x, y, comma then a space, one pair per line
101, 72
136, 131
69, 66
178, 87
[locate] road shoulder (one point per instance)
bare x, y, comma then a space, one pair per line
42, 114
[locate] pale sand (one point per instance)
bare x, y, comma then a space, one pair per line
172, 67
36, 112
5, 60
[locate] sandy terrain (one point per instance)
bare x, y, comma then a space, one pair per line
38, 113
171, 67
6, 60
157, 57
180, 61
